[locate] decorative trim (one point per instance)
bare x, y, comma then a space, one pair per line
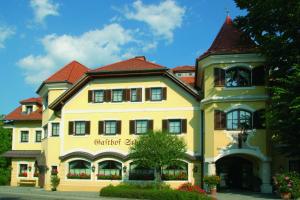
240, 106
215, 99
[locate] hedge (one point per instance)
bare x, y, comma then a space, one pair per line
151, 194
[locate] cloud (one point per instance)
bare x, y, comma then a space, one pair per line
43, 9
5, 33
93, 48
163, 18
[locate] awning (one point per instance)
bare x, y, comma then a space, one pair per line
35, 154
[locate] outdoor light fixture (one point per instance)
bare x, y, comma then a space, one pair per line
93, 168
195, 169
124, 169
243, 135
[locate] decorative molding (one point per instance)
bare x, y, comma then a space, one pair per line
215, 99
240, 106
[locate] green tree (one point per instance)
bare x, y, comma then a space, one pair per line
157, 149
5, 145
275, 26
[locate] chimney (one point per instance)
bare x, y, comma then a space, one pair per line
141, 58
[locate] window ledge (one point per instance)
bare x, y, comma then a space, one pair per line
240, 88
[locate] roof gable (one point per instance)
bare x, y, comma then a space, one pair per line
230, 40
69, 73
183, 68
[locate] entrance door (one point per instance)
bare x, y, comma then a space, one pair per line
42, 176
235, 172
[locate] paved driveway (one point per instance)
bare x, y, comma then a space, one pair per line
30, 193
236, 195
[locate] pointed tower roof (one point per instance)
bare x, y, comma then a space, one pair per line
69, 73
230, 40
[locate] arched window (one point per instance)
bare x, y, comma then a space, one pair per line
175, 172
238, 77
79, 169
137, 172
237, 119
109, 170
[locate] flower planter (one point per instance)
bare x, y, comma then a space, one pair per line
213, 191
285, 195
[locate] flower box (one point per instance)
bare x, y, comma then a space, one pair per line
24, 174
108, 177
78, 176
179, 177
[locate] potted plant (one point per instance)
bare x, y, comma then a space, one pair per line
54, 182
284, 185
23, 174
212, 181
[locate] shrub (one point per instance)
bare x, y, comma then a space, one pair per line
4, 176
131, 191
54, 182
212, 181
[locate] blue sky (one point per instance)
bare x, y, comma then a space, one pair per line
37, 37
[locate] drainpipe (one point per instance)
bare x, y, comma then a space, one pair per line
202, 146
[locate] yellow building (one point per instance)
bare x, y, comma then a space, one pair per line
83, 124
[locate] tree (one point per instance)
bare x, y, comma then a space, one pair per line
5, 145
157, 149
274, 25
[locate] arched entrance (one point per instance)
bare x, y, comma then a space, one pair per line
238, 172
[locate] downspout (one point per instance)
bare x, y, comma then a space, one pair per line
202, 147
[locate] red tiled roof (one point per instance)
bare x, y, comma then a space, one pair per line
230, 40
133, 64
188, 80
37, 100
69, 73
183, 68
17, 114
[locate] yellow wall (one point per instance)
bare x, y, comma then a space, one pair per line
30, 126
15, 170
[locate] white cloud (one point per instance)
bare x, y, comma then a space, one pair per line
163, 18
5, 33
43, 9
92, 48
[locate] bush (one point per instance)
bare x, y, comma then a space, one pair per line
54, 182
4, 176
130, 191
188, 187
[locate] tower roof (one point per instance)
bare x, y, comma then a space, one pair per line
230, 40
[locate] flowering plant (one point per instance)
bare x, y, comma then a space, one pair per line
109, 177
23, 174
188, 187
284, 183
212, 181
78, 176
180, 176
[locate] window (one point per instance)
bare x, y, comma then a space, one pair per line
38, 136
137, 172
45, 102
55, 129
99, 96
237, 119
175, 126
23, 170
133, 95
54, 170
29, 109
109, 170
141, 126
24, 136
294, 166
79, 169
238, 77
156, 94
45, 131
80, 128
110, 127
117, 95
175, 172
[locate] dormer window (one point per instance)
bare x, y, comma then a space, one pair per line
238, 77
28, 109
